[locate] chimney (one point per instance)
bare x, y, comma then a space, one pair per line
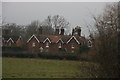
73, 30
40, 30
76, 31
79, 30
62, 31
57, 30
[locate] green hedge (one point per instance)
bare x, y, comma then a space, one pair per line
68, 56
19, 55
12, 48
84, 48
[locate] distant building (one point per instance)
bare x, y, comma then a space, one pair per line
11, 40
56, 43
48, 43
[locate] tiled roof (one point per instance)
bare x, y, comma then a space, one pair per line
14, 38
64, 38
41, 38
52, 38
55, 38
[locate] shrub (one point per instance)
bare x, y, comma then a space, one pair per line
68, 56
84, 48
12, 48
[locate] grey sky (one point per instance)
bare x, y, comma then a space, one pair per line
77, 13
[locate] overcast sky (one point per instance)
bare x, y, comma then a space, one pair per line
77, 13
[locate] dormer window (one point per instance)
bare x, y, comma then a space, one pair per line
33, 44
59, 45
47, 44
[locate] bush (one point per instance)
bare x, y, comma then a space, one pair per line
84, 48
19, 55
68, 56
12, 48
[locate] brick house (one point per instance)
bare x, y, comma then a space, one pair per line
11, 40
56, 43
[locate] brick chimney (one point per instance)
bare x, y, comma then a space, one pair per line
79, 30
73, 30
40, 30
62, 31
76, 31
57, 30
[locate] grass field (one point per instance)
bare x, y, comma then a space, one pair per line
45, 68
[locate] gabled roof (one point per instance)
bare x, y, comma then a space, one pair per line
41, 38
73, 37
56, 38
60, 40
46, 40
10, 39
52, 38
65, 38
19, 38
14, 38
32, 37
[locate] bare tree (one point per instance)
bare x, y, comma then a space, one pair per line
30, 29
14, 29
57, 20
106, 41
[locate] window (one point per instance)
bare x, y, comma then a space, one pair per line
47, 44
33, 44
41, 49
72, 46
59, 45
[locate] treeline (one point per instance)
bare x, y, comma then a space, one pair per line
49, 25
105, 40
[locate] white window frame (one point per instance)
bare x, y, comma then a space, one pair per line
59, 45
33, 44
41, 49
72, 46
47, 44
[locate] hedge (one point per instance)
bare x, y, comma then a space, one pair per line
84, 48
12, 48
68, 56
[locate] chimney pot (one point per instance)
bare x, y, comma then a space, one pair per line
62, 31
40, 30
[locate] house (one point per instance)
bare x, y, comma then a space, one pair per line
11, 40
56, 43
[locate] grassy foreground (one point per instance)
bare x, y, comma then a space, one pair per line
45, 68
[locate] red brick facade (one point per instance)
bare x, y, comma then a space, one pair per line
19, 42
12, 41
49, 43
33, 45
52, 43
